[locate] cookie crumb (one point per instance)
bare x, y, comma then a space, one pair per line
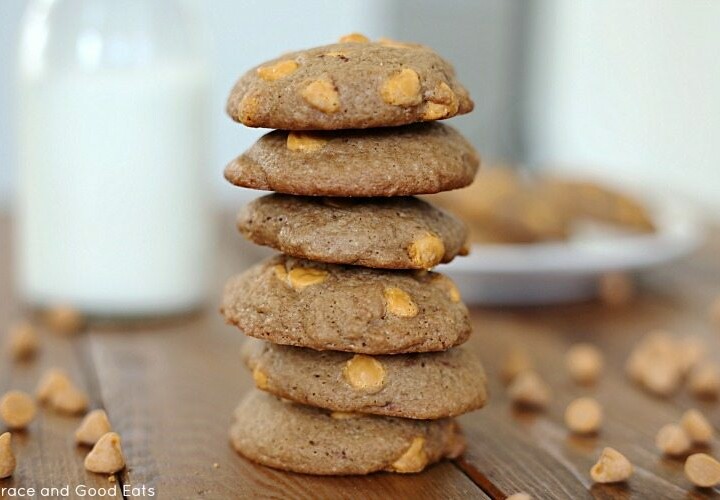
611, 467
17, 409
106, 457
7, 457
22, 343
703, 470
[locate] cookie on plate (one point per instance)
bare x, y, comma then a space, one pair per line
349, 85
420, 386
299, 438
390, 233
416, 159
346, 308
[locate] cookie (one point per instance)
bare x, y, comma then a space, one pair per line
349, 85
390, 233
420, 386
346, 308
416, 159
299, 438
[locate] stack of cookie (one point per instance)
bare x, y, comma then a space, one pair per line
355, 341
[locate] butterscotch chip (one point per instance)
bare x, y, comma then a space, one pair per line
442, 384
426, 251
415, 159
302, 277
672, 440
93, 427
516, 361
529, 390
583, 416
381, 84
106, 457
414, 459
616, 289
64, 319
347, 312
7, 457
399, 303
51, 382
69, 399
354, 37
276, 71
17, 409
691, 351
383, 229
703, 470
611, 467
365, 373
697, 427
584, 363
657, 364
704, 381
305, 142
309, 440
402, 89
22, 341
322, 95
442, 103
450, 286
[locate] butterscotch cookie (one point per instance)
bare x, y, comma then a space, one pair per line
346, 308
310, 440
421, 386
415, 159
349, 85
391, 233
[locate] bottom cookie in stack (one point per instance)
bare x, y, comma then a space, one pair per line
290, 436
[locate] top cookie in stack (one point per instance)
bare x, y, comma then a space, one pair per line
353, 278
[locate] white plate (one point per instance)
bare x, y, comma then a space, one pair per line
568, 271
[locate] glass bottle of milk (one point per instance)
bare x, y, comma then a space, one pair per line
113, 140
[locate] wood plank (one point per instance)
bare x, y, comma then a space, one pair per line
46, 452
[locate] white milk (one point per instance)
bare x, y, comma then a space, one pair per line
112, 199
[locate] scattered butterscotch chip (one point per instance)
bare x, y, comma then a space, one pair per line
22, 341
656, 364
426, 251
662, 379
111, 478
584, 363
414, 459
322, 95
516, 361
52, 381
17, 409
402, 89
703, 470
704, 381
7, 457
583, 416
690, 352
106, 457
529, 390
93, 427
278, 70
714, 311
302, 277
305, 142
399, 303
64, 319
69, 399
365, 373
520, 495
672, 440
616, 289
355, 38
697, 427
611, 467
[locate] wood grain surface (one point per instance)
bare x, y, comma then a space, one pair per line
169, 389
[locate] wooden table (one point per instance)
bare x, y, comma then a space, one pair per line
170, 390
